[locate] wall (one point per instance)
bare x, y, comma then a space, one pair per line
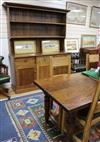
73, 31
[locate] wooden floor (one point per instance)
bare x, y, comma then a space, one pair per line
13, 94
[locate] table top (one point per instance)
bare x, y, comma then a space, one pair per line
72, 92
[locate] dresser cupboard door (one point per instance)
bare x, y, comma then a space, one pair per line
43, 65
61, 64
25, 71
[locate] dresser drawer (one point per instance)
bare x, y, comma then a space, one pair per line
24, 63
61, 60
45, 60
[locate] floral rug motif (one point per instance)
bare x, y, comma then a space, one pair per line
27, 114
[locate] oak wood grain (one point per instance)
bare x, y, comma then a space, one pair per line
73, 91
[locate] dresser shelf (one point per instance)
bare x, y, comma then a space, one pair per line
35, 23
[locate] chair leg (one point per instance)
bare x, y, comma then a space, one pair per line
5, 91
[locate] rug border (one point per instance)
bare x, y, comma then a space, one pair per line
22, 95
17, 126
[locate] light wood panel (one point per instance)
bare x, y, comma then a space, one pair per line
43, 67
61, 64
91, 59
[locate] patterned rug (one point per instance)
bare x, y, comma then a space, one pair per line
27, 114
11, 140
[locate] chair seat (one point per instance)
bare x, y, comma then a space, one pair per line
94, 133
82, 117
78, 67
88, 117
4, 78
78, 137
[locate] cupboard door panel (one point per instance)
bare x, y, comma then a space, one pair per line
24, 76
44, 67
61, 64
44, 72
60, 70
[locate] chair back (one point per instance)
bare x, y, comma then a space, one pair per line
3, 67
4, 78
1, 58
94, 108
91, 59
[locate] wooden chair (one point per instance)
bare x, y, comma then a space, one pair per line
91, 60
4, 77
92, 117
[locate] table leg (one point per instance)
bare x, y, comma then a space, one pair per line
60, 118
47, 107
68, 124
51, 103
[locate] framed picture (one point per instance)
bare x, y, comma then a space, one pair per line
77, 14
88, 41
71, 45
25, 47
50, 46
95, 17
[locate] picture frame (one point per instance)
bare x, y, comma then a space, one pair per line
25, 47
50, 46
88, 41
71, 45
94, 18
77, 14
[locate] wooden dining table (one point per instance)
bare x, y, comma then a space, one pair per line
71, 92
